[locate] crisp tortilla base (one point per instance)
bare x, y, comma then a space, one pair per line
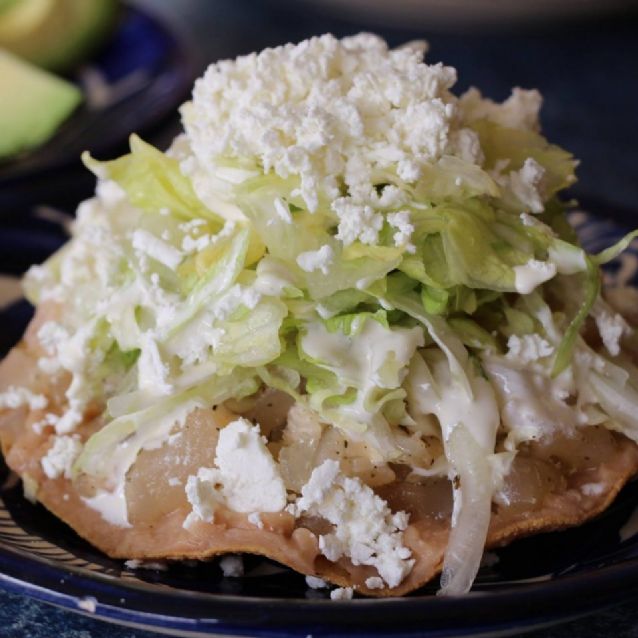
279, 539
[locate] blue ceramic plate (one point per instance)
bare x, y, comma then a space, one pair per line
532, 583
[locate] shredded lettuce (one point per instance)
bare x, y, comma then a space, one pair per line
214, 283
591, 290
351, 324
421, 333
607, 255
153, 181
441, 334
253, 339
517, 145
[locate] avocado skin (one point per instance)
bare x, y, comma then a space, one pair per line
65, 35
34, 104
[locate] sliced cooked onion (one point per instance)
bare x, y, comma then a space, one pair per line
471, 515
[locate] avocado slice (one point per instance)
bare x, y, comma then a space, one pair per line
55, 34
34, 103
7, 4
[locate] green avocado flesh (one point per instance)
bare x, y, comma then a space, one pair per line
34, 104
55, 34
6, 5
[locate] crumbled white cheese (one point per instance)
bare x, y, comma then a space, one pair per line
191, 245
401, 221
203, 495
357, 222
254, 518
232, 566
593, 489
249, 473
528, 348
316, 259
335, 107
49, 419
61, 456
110, 193
374, 582
88, 603
365, 529
525, 184
532, 274
73, 353
173, 481
612, 327
152, 371
341, 593
70, 419
51, 336
465, 143
156, 248
49, 365
528, 220
316, 583
17, 397
232, 299
192, 224
110, 505
246, 478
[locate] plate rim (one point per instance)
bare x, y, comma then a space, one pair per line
183, 56
577, 584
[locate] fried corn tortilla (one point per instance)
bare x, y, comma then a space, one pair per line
555, 484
